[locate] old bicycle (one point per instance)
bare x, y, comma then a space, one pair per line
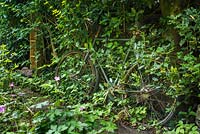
137, 86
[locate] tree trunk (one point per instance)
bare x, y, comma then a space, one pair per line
172, 7
33, 51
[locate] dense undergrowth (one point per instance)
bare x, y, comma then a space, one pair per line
40, 104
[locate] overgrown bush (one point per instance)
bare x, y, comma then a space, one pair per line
74, 120
72, 25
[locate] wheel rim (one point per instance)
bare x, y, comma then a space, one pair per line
158, 104
76, 72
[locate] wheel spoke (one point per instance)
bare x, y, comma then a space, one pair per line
149, 94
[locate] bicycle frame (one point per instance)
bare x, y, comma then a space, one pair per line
147, 95
116, 82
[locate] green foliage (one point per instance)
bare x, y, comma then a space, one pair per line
6, 67
137, 114
187, 24
74, 119
184, 128
187, 54
72, 25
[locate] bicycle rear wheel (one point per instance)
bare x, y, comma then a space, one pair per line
155, 101
76, 71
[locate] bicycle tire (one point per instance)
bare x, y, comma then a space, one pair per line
160, 106
74, 68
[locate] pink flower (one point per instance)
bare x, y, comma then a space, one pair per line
82, 108
56, 78
11, 85
2, 108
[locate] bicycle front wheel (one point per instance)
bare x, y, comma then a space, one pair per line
77, 73
150, 100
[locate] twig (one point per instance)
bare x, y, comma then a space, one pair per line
29, 110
